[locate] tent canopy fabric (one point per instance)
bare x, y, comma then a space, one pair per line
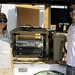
48, 2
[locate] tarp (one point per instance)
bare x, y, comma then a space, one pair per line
50, 2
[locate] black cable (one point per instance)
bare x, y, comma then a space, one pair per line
63, 53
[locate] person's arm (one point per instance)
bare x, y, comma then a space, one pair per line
12, 65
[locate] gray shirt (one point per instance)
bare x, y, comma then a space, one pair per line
5, 56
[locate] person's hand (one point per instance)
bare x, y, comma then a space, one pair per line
12, 65
62, 63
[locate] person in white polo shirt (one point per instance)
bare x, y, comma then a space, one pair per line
6, 64
70, 61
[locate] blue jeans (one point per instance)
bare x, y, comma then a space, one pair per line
70, 70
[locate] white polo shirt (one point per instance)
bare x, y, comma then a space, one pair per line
71, 46
5, 59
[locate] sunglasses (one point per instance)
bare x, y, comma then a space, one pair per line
4, 20
71, 9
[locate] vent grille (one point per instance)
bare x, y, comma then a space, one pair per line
22, 69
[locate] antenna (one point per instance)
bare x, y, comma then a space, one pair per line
0, 7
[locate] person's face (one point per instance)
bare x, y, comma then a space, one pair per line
3, 23
72, 12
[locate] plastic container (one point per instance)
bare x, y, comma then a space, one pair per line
58, 41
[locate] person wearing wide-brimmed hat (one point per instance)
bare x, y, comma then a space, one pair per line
5, 48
